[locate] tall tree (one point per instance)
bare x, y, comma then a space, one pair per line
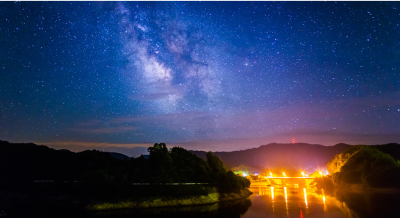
215, 163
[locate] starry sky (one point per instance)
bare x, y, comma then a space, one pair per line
214, 76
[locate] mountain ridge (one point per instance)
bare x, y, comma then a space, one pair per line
273, 155
292, 155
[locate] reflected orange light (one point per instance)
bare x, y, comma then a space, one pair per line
287, 209
272, 196
323, 198
272, 192
305, 197
285, 194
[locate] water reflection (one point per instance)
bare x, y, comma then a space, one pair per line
286, 201
280, 201
267, 201
272, 198
287, 210
305, 197
324, 199
370, 204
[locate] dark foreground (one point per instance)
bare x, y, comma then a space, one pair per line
265, 202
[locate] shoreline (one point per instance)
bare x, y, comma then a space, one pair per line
361, 188
154, 202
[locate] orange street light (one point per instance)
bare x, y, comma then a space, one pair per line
284, 175
302, 173
270, 174
320, 173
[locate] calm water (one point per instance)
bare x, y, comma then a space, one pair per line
292, 202
286, 202
310, 202
265, 202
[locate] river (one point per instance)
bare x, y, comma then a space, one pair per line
285, 202
267, 201
310, 202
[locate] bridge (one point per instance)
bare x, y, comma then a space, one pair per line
290, 178
303, 181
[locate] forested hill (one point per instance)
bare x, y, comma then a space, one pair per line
298, 155
393, 149
106, 175
375, 166
28, 161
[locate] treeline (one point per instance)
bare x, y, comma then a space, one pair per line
367, 165
178, 165
101, 176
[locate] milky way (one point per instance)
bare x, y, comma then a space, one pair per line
201, 75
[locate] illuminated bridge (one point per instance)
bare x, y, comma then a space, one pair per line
301, 181
290, 177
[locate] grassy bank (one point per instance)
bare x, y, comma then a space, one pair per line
210, 198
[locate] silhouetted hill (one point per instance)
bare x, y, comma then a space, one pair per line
119, 156
274, 155
28, 161
392, 148
107, 175
366, 165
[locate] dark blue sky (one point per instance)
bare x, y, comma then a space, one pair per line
201, 75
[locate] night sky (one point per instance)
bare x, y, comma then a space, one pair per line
217, 76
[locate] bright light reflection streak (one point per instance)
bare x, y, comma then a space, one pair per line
323, 198
272, 196
287, 209
285, 194
305, 197
272, 192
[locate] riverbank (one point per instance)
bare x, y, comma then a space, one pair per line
361, 188
327, 182
211, 198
